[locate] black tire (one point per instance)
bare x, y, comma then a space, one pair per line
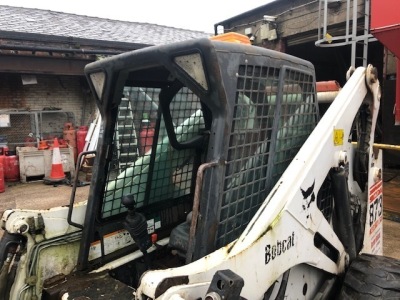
372, 277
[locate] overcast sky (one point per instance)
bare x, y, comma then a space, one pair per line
188, 14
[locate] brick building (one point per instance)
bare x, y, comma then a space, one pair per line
42, 56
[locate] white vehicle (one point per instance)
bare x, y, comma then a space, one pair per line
214, 178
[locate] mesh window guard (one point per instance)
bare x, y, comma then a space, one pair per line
245, 185
144, 163
297, 118
271, 121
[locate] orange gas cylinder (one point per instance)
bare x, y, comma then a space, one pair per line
69, 134
43, 145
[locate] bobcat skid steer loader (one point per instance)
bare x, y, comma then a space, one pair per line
214, 178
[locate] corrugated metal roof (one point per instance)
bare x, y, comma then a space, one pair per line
46, 22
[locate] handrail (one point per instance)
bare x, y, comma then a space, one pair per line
196, 205
72, 199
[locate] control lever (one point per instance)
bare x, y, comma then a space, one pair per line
136, 224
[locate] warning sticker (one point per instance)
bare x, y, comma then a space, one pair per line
112, 242
338, 137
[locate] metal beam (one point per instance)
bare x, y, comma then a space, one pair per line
42, 65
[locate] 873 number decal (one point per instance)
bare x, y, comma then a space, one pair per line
375, 206
375, 210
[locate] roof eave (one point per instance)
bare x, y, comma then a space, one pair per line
44, 38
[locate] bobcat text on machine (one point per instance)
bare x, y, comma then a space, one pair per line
214, 178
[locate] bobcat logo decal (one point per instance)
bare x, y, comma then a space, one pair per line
308, 198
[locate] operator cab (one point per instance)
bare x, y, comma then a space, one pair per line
200, 127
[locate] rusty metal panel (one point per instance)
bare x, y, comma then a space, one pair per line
42, 65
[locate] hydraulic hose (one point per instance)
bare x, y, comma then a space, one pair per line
363, 126
4, 275
344, 218
9, 245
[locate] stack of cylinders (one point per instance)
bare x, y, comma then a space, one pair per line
69, 135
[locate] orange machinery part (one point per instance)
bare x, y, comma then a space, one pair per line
328, 86
232, 37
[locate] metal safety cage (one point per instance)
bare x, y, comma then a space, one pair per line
235, 113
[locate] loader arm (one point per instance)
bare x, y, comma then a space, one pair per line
289, 232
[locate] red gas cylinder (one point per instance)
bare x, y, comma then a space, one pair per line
11, 169
80, 138
2, 185
146, 136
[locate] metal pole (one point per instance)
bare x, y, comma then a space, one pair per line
354, 35
319, 20
38, 130
384, 146
325, 18
347, 20
366, 31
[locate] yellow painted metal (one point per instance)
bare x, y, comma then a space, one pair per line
387, 146
384, 146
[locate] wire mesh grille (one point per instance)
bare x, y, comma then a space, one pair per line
297, 118
144, 162
266, 135
248, 153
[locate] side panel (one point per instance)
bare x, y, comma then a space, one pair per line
373, 240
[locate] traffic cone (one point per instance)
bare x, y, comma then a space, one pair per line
57, 172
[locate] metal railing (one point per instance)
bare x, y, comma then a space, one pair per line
351, 36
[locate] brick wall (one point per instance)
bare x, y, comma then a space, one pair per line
68, 93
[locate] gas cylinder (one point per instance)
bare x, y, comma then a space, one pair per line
80, 138
29, 141
146, 135
11, 169
2, 185
43, 145
69, 135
